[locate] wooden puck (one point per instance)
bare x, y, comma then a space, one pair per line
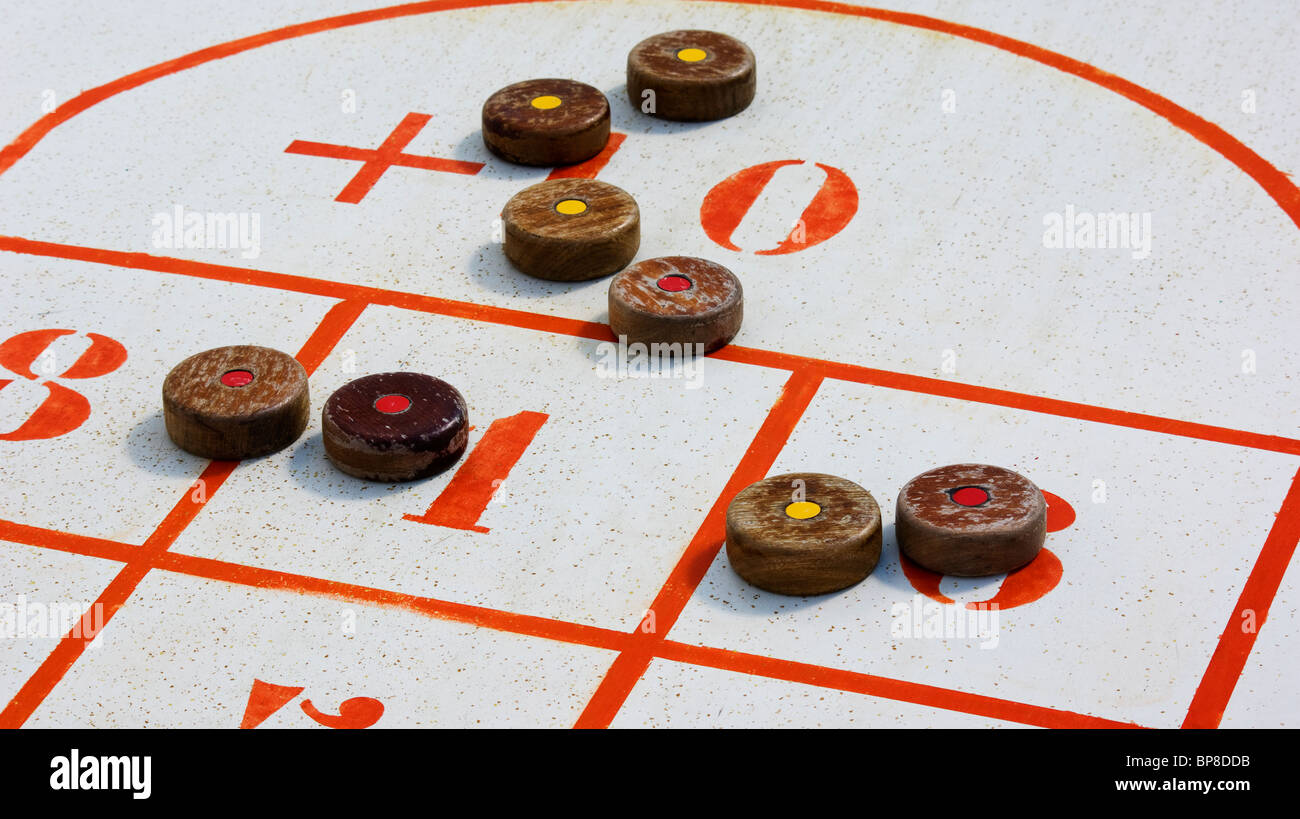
546, 122
570, 230
676, 299
235, 402
803, 533
395, 426
971, 520
691, 76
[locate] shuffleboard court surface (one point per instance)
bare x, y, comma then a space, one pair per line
956, 246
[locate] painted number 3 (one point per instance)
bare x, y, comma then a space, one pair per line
267, 698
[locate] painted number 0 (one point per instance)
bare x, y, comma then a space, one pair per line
829, 212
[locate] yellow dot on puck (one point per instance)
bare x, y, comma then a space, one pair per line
802, 510
570, 207
546, 102
692, 55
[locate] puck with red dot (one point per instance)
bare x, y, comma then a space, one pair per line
235, 402
803, 533
395, 426
676, 300
971, 520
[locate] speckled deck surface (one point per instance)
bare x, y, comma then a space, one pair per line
925, 208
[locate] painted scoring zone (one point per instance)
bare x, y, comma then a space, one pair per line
639, 648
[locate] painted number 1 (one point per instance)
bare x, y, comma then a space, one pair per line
462, 503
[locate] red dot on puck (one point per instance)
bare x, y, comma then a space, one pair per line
969, 495
393, 404
674, 283
237, 378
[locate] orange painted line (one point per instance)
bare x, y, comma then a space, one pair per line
114, 596
871, 685
314, 287
1006, 398
64, 542
433, 163
628, 667
327, 334
1278, 186
76, 105
326, 150
561, 631
186, 509
558, 630
244, 575
601, 332
754, 465
377, 162
499, 315
1274, 182
68, 650
496, 619
1236, 641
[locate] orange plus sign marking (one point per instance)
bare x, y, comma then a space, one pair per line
382, 158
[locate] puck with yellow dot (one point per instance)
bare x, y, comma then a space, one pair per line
691, 76
395, 426
235, 402
803, 533
571, 230
971, 520
676, 300
546, 122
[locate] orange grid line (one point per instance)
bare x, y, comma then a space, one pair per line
559, 630
336, 322
839, 371
1238, 637
796, 395
635, 654
900, 690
